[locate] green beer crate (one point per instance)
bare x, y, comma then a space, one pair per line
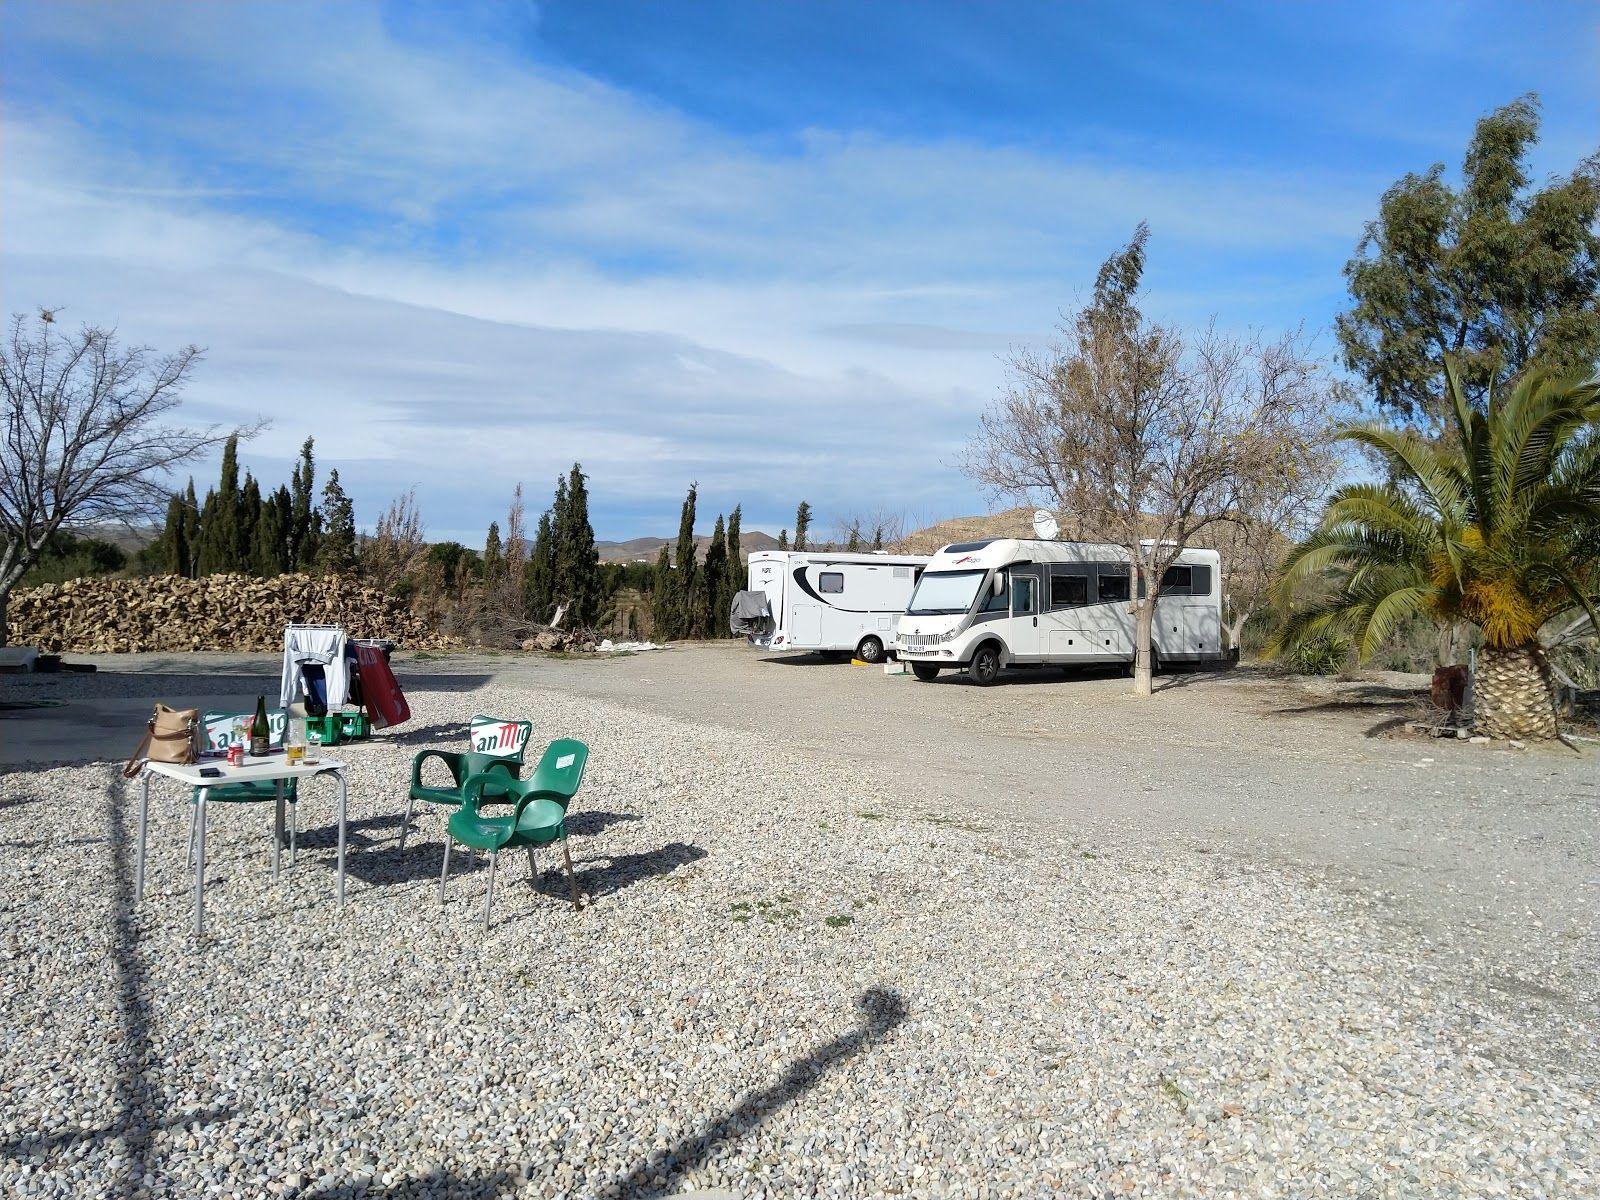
336, 727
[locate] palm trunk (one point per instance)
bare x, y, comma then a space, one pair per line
1514, 695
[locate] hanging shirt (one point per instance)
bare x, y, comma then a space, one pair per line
325, 647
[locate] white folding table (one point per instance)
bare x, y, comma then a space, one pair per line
274, 768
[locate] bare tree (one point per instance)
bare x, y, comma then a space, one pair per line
1147, 442
86, 440
865, 532
395, 549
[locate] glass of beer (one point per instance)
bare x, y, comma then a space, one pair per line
294, 742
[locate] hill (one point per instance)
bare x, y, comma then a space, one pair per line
647, 549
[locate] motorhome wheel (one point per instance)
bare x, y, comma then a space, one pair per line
870, 650
927, 672
985, 667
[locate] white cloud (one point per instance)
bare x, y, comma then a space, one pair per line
527, 267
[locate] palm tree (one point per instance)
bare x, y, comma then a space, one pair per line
1497, 524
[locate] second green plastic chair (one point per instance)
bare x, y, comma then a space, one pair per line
538, 818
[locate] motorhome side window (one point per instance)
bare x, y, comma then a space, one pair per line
1113, 585
1069, 591
1001, 602
831, 581
1175, 580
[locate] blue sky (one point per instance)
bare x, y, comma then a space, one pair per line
781, 249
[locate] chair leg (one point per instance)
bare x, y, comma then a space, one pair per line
406, 828
488, 898
572, 881
533, 866
444, 870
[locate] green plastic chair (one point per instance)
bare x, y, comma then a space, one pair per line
497, 749
255, 791
539, 818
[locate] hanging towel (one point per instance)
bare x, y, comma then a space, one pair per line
323, 647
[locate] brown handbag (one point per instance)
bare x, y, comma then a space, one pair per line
170, 736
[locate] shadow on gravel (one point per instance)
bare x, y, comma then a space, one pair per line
620, 871
881, 1009
137, 1100
446, 1184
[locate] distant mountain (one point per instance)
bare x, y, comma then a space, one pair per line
648, 549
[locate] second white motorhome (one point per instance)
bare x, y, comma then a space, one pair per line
828, 602
984, 606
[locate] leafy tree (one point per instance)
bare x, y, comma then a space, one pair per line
68, 557
1497, 276
336, 551
305, 524
575, 561
539, 583
802, 525
1497, 525
713, 619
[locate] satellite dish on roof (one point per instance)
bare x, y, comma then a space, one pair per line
1044, 524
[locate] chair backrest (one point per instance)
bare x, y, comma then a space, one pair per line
219, 730
495, 737
560, 771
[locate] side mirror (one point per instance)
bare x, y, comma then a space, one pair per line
999, 584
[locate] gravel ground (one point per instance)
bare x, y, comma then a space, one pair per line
793, 980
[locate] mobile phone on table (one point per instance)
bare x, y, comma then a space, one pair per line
211, 772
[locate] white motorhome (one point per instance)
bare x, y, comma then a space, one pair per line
830, 602
984, 606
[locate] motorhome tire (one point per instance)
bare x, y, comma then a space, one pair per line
870, 650
926, 672
985, 666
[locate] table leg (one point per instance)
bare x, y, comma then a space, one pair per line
144, 824
343, 801
200, 865
277, 829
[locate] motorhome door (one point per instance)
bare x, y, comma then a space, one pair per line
1022, 634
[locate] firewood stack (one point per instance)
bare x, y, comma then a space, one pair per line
218, 612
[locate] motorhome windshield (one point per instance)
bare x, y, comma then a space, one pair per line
944, 593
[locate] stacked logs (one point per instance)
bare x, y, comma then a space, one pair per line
218, 612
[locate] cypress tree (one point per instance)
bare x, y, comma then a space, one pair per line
205, 555
575, 562
736, 571
683, 577
283, 554
802, 525
539, 579
663, 599
305, 525
191, 532
336, 553
219, 524
493, 555
174, 549
714, 582
249, 522
853, 543
268, 559
783, 539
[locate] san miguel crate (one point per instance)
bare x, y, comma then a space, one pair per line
336, 727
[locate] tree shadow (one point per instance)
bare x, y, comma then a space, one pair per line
657, 1174
1173, 678
441, 1183
137, 1103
